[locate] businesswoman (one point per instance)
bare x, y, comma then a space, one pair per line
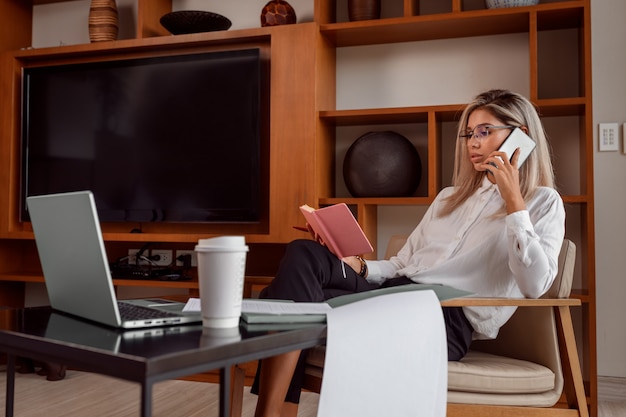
496, 231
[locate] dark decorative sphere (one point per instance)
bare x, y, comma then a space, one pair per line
382, 164
277, 12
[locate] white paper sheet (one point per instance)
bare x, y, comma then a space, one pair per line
277, 307
192, 305
269, 307
386, 356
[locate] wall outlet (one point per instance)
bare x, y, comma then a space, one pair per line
194, 259
132, 260
161, 257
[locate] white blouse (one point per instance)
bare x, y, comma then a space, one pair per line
479, 248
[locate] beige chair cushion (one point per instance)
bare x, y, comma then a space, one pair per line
477, 372
493, 374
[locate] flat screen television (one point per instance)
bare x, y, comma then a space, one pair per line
158, 139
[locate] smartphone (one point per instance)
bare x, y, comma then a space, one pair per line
518, 139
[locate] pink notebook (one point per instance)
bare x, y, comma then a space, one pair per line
338, 229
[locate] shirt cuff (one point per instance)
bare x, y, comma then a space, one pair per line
374, 272
521, 230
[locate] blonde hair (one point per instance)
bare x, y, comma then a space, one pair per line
511, 109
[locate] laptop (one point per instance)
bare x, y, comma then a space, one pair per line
66, 328
76, 270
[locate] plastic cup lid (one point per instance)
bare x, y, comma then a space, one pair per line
243, 248
223, 242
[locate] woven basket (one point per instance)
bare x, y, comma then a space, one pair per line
496, 4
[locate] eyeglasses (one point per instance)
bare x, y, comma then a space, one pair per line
480, 132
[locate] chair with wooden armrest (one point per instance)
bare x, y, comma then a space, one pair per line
525, 370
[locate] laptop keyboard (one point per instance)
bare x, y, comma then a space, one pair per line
135, 312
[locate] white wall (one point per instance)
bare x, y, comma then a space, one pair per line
461, 74
609, 105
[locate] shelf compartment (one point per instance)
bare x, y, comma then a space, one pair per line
389, 115
336, 11
421, 125
434, 134
393, 201
419, 114
454, 25
421, 28
161, 44
557, 107
560, 72
418, 201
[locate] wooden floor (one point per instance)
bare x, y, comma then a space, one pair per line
612, 397
83, 394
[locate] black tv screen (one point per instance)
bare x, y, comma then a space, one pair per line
175, 138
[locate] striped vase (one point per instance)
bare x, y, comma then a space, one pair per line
103, 22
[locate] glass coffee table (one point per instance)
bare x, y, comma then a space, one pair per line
144, 356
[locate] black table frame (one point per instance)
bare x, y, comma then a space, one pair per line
148, 371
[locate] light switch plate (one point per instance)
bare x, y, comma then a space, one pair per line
608, 137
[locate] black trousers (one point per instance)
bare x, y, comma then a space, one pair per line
310, 272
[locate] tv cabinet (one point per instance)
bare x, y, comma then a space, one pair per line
295, 80
307, 128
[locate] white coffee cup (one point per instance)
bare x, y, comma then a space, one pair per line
221, 269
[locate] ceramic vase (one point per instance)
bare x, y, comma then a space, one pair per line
103, 20
277, 12
382, 164
363, 9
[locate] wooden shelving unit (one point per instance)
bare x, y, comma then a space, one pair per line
568, 102
305, 124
